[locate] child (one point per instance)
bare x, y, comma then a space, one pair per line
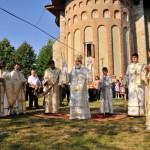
117, 89
106, 103
122, 88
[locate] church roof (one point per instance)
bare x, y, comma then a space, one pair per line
55, 8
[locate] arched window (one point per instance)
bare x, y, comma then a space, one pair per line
69, 22
106, 13
81, 4
95, 14
69, 9
75, 19
84, 15
115, 2
125, 16
75, 7
117, 14
88, 34
89, 2
106, 1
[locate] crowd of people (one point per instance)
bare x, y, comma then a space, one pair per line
12, 90
74, 84
119, 90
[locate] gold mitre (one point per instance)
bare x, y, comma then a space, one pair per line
78, 57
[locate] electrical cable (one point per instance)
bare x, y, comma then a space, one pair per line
27, 22
41, 15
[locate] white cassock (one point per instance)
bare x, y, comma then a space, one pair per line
52, 99
135, 78
16, 93
148, 102
3, 95
79, 105
106, 98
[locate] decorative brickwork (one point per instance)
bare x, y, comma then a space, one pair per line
120, 23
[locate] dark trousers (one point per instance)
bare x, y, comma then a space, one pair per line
98, 94
92, 94
66, 93
33, 97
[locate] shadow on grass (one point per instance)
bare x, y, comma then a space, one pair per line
29, 132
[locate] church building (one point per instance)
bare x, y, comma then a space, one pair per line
104, 32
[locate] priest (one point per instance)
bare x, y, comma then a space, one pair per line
135, 78
16, 92
79, 105
51, 81
4, 76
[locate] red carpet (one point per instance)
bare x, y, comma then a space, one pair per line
94, 116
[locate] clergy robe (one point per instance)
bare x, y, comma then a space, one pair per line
52, 99
135, 78
16, 93
4, 74
148, 102
64, 74
79, 105
106, 97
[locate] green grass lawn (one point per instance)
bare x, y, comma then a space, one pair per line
27, 132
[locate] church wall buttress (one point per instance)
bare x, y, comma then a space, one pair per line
139, 20
59, 49
147, 27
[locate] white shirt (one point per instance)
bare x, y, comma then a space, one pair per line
34, 80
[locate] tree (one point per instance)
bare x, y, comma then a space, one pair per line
44, 56
26, 57
7, 53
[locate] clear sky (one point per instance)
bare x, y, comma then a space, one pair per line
17, 31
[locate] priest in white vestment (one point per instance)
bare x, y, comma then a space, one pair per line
16, 94
51, 79
148, 94
135, 78
79, 105
4, 76
106, 98
148, 103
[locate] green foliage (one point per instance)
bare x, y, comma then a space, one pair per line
44, 56
25, 56
7, 53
